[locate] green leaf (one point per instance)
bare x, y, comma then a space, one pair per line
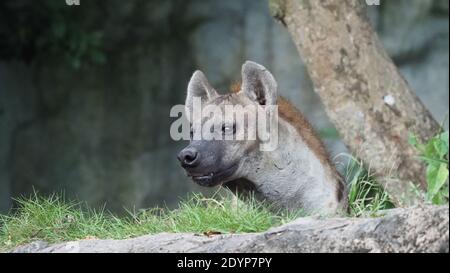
436, 176
442, 144
430, 148
98, 57
412, 140
431, 174
444, 137
438, 199
59, 30
430, 160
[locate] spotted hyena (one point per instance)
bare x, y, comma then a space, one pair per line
297, 174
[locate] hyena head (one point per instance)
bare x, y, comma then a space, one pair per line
225, 154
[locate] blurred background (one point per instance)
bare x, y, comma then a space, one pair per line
85, 91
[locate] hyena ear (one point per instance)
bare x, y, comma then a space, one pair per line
259, 84
199, 87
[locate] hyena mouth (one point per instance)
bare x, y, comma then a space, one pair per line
215, 178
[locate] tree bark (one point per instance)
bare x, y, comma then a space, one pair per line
364, 94
419, 229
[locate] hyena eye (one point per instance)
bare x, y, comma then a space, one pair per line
228, 129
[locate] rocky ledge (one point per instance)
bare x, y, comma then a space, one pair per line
415, 229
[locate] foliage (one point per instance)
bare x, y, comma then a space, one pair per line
54, 220
31, 30
89, 33
435, 155
365, 195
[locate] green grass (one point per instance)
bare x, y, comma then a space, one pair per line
365, 196
54, 219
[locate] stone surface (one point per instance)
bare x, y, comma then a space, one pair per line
419, 229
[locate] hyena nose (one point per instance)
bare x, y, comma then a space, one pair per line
188, 157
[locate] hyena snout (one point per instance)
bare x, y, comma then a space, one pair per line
188, 157
205, 163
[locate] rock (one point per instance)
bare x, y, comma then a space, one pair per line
418, 229
34, 247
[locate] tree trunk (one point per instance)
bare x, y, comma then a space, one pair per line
364, 94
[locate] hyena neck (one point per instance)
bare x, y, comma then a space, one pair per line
295, 176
